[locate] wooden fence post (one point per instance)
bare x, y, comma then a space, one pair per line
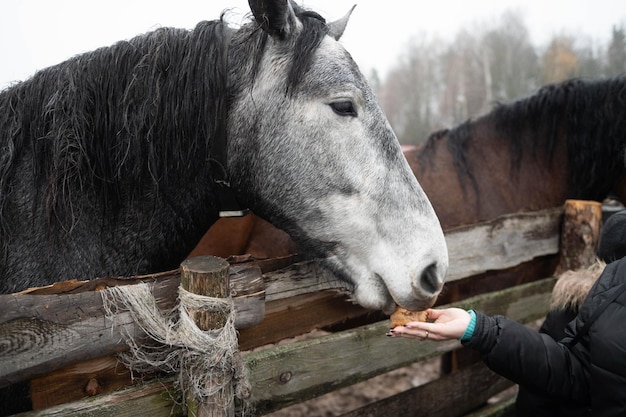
582, 221
208, 276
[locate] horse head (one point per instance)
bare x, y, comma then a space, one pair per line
111, 156
311, 151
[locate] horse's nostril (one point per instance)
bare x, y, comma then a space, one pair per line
430, 280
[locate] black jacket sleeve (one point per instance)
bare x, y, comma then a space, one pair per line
533, 402
530, 358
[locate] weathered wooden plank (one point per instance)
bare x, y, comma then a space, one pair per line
298, 371
72, 301
301, 278
506, 408
43, 333
301, 315
504, 242
31, 347
451, 395
154, 399
248, 291
76, 381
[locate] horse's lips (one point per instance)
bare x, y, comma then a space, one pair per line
391, 302
385, 302
415, 304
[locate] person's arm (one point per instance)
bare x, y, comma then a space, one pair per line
510, 349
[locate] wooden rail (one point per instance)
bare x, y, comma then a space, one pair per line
297, 371
41, 333
66, 324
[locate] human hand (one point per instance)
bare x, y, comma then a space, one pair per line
449, 323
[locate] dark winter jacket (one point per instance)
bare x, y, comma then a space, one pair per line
590, 373
568, 295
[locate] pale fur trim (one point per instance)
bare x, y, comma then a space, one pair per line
572, 287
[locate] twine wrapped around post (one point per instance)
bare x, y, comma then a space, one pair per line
208, 276
197, 340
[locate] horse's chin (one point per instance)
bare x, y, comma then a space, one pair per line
374, 297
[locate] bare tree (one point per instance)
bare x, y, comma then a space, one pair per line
616, 53
437, 84
513, 62
559, 61
410, 93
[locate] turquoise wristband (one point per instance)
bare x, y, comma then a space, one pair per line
469, 331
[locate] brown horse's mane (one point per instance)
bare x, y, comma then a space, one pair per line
590, 115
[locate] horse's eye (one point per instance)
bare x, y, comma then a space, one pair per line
343, 108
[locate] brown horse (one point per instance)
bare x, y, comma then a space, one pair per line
564, 142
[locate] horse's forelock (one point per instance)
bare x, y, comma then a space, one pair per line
301, 49
309, 39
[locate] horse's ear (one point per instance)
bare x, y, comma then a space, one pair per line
276, 17
336, 28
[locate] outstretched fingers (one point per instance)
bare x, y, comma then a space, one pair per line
448, 324
418, 330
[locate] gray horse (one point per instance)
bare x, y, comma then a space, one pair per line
115, 161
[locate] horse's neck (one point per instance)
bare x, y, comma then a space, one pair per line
497, 187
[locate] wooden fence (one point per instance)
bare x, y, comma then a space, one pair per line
59, 339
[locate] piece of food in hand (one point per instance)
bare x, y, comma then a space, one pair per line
402, 316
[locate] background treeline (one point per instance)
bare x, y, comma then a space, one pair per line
437, 84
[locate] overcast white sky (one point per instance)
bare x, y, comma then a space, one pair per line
38, 33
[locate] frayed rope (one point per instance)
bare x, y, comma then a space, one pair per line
208, 363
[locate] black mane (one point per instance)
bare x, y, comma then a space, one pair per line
114, 122
592, 115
